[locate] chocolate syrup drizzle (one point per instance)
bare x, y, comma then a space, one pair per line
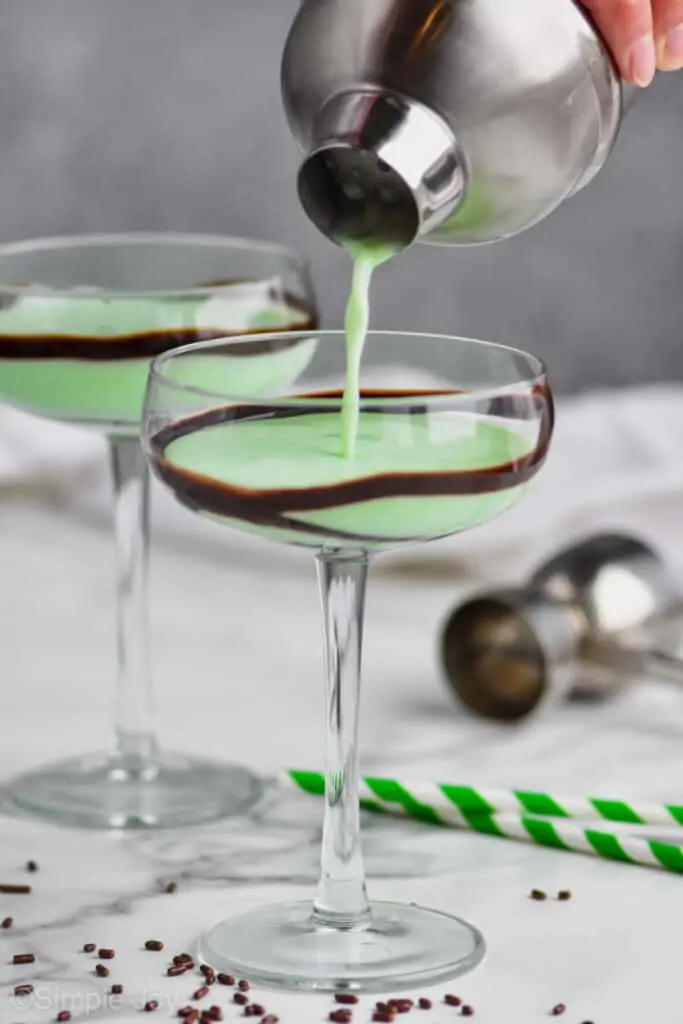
147, 345
275, 508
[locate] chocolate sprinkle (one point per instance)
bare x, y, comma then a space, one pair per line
558, 1010
31, 866
176, 970
7, 922
225, 979
154, 945
15, 890
24, 958
401, 1005
538, 895
89, 947
101, 971
116, 990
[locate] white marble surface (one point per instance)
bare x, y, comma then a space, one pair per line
237, 664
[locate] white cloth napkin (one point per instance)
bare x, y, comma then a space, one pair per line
38, 454
616, 462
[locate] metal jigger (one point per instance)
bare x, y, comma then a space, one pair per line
596, 617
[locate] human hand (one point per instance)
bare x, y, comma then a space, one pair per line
643, 35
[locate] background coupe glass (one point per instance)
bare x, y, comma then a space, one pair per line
431, 460
80, 320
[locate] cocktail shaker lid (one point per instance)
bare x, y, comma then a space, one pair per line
386, 169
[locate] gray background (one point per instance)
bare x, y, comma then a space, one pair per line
165, 114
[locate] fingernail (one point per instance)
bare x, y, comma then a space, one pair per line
672, 58
642, 61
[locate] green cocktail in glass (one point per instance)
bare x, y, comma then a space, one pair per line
428, 462
80, 321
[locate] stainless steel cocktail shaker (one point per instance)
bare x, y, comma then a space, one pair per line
448, 121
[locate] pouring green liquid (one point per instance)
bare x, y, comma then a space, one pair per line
471, 215
366, 258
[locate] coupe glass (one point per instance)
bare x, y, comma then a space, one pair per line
80, 321
435, 456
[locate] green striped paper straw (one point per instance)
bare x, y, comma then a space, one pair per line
393, 796
442, 797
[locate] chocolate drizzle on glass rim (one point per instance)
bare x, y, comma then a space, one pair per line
275, 507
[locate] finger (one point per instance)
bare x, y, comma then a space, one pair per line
668, 18
627, 28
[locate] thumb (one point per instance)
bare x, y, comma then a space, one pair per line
628, 31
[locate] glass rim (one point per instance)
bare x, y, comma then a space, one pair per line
157, 376
111, 239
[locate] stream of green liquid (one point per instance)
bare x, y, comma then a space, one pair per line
366, 259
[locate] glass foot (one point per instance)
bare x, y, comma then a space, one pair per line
403, 946
103, 792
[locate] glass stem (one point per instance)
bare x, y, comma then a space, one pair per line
341, 901
135, 741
